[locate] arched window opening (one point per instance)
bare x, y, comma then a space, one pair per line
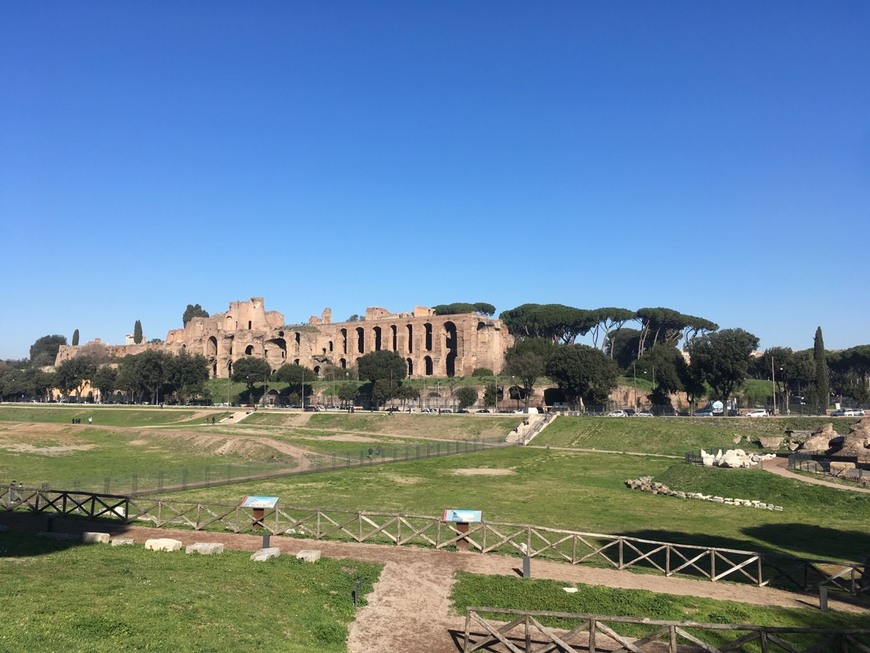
377, 332
410, 338
410, 367
451, 347
427, 362
428, 345
360, 340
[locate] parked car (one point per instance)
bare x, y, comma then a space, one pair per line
643, 413
704, 412
759, 412
617, 413
848, 412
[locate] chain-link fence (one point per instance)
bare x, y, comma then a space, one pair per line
184, 478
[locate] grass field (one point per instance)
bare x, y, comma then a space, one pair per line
121, 600
586, 492
533, 594
553, 483
98, 599
673, 436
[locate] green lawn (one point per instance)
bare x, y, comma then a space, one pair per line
102, 415
673, 436
586, 492
98, 598
533, 594
551, 484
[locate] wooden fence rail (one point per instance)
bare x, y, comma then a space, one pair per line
574, 547
527, 631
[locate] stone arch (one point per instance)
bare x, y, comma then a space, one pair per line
394, 335
554, 396
344, 341
249, 350
410, 367
451, 347
410, 338
360, 340
228, 323
428, 337
377, 337
317, 370
427, 364
342, 363
211, 347
276, 351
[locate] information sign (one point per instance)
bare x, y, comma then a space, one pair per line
259, 502
462, 516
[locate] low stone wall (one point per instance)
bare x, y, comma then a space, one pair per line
647, 484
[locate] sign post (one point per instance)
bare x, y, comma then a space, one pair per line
258, 506
462, 518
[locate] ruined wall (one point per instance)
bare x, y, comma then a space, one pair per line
432, 345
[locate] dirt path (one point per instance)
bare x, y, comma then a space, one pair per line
779, 466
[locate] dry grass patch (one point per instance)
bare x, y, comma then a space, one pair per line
483, 471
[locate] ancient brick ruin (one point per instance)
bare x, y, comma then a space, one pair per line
432, 345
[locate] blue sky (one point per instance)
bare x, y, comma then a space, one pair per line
710, 157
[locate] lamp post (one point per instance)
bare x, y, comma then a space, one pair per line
784, 392
773, 383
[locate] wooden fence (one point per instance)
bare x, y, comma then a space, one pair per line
526, 631
574, 547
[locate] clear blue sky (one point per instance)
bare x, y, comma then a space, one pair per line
710, 157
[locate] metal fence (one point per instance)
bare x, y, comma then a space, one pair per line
819, 464
185, 478
574, 547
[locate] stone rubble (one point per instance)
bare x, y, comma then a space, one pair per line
734, 458
647, 484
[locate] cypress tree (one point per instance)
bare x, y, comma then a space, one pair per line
75, 338
137, 332
822, 377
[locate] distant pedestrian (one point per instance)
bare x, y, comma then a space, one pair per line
90, 420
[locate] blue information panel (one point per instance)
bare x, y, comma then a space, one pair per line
259, 502
462, 516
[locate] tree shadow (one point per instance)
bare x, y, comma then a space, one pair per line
815, 541
35, 534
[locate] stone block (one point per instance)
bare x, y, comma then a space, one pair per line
123, 541
205, 548
266, 554
90, 537
163, 544
308, 555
